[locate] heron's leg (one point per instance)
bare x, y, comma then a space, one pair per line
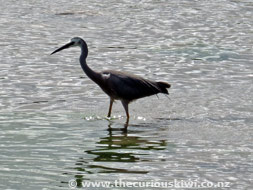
110, 107
125, 105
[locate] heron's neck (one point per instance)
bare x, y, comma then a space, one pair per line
93, 75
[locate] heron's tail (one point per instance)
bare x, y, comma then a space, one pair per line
163, 86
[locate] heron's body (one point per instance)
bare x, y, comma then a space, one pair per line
118, 85
127, 87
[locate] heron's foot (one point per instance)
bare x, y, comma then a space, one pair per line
124, 130
125, 127
109, 129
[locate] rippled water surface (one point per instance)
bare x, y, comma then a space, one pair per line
52, 117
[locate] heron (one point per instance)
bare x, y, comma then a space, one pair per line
117, 85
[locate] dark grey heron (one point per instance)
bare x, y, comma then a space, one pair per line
117, 85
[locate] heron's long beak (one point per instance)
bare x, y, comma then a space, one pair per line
64, 47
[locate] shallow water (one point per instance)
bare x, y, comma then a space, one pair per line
52, 117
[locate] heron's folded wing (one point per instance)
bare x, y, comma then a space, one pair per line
131, 87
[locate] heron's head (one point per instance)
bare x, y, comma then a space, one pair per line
76, 41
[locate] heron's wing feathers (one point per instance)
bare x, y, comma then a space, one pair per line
131, 87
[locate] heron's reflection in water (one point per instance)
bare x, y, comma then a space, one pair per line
116, 152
